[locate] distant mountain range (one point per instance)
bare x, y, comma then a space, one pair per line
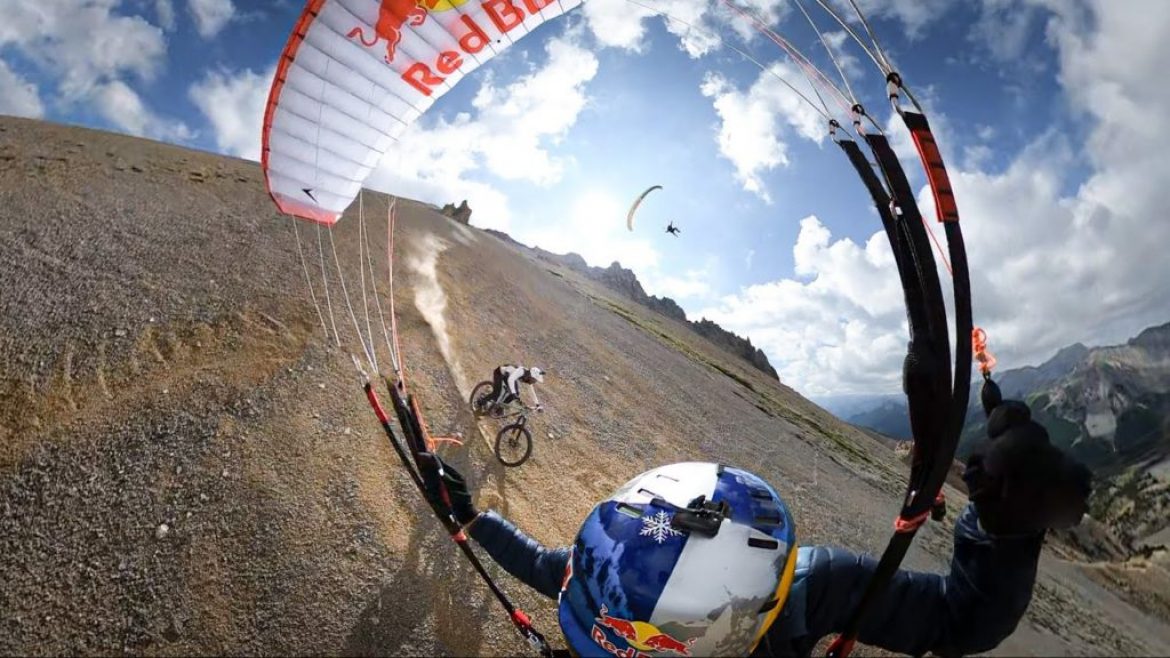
625, 282
1108, 405
890, 417
847, 406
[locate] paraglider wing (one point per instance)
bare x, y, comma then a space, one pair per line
638, 202
356, 73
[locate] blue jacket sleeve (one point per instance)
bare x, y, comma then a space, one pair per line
540, 568
971, 609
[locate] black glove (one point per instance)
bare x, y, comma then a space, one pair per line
440, 478
1020, 482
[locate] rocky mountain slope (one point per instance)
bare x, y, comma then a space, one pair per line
848, 405
188, 466
1112, 407
625, 282
1109, 406
890, 417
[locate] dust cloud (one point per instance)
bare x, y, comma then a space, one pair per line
431, 301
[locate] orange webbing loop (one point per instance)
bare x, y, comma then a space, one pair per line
903, 524
985, 359
431, 441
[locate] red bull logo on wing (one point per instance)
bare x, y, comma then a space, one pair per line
396, 15
640, 637
392, 15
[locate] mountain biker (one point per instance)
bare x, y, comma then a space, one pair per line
700, 559
506, 380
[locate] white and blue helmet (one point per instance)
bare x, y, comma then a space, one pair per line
691, 559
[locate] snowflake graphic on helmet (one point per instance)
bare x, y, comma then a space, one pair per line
658, 527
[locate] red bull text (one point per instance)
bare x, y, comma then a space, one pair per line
472, 37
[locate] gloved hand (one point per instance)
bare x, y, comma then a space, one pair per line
1020, 482
440, 477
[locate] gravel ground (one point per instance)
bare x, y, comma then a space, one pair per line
187, 465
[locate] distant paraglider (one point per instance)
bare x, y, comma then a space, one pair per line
672, 229
638, 202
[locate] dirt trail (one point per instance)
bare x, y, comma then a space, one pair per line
161, 364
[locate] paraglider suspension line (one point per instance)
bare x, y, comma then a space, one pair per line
325, 284
308, 279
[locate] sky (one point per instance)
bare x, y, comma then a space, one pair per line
1048, 112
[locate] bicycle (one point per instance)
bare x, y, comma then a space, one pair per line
514, 440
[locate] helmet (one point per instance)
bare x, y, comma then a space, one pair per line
691, 559
537, 374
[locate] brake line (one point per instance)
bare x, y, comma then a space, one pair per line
406, 410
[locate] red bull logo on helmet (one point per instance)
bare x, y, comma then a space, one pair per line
639, 636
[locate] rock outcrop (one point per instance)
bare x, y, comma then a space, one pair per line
460, 213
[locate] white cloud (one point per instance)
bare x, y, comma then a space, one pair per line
90, 51
514, 123
751, 122
593, 225
234, 106
621, 23
693, 285
1049, 267
914, 15
211, 16
976, 156
490, 206
510, 136
120, 104
83, 45
1093, 259
165, 10
837, 326
20, 98
617, 23
1004, 28
745, 17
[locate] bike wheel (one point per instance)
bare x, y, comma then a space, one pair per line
513, 445
480, 391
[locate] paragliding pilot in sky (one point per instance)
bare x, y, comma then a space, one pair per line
506, 380
672, 229
720, 573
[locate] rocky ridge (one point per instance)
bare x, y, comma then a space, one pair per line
625, 282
